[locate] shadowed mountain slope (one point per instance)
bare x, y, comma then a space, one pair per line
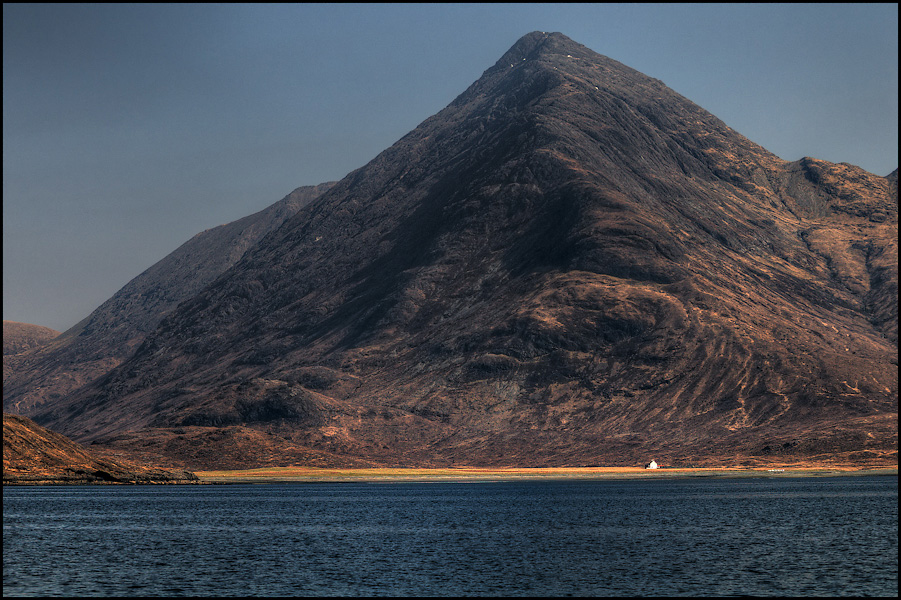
570, 264
112, 332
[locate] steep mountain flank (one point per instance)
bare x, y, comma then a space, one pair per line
570, 264
33, 454
112, 332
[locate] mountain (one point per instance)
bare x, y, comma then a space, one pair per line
34, 455
571, 264
115, 329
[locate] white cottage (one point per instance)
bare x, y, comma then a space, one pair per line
652, 465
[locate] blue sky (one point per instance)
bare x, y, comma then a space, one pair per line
127, 129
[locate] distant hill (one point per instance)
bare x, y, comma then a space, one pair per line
20, 337
33, 454
111, 333
570, 264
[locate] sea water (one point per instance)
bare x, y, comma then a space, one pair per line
777, 536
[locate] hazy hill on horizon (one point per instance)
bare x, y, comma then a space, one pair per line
21, 337
570, 264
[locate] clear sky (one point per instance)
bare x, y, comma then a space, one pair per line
127, 129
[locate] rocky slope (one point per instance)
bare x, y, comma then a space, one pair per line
571, 264
35, 455
112, 332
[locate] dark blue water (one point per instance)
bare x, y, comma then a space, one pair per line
829, 536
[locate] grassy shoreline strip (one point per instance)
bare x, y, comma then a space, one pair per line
470, 474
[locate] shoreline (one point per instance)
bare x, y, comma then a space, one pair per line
479, 474
281, 475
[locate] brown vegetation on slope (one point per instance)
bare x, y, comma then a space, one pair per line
35, 455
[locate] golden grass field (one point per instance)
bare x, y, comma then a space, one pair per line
471, 474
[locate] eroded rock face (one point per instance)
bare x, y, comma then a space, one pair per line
570, 264
35, 455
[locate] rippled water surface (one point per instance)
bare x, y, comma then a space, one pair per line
781, 536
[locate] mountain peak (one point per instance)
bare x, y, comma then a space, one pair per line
539, 44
